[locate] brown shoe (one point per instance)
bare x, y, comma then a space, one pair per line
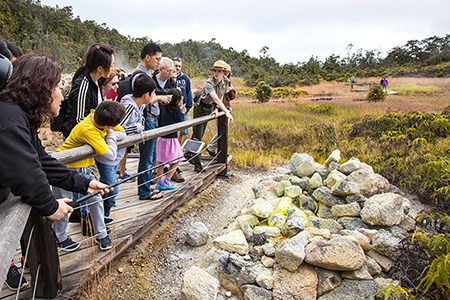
177, 177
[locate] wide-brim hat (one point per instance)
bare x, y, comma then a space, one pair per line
221, 65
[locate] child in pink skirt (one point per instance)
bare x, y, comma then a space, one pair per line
168, 147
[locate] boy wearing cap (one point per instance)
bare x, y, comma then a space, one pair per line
211, 99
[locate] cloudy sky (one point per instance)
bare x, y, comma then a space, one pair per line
294, 30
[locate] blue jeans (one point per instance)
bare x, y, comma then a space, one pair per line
147, 157
108, 176
186, 130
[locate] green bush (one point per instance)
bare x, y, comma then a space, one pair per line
246, 92
299, 92
376, 94
263, 92
281, 92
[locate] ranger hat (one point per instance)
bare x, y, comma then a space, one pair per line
5, 71
221, 65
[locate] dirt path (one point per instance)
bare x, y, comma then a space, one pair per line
154, 267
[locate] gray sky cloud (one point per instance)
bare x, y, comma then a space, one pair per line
294, 30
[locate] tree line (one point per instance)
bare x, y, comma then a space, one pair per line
55, 32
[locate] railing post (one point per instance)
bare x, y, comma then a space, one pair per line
43, 252
222, 131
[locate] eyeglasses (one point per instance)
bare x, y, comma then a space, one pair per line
176, 58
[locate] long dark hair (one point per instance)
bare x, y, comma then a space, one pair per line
176, 97
31, 85
97, 55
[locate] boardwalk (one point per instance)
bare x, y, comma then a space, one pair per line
132, 218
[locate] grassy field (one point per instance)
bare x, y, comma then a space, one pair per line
264, 135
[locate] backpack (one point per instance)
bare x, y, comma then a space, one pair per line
125, 85
57, 122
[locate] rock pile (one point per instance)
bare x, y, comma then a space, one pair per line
316, 231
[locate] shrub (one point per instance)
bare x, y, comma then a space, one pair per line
281, 92
299, 92
246, 92
376, 94
263, 92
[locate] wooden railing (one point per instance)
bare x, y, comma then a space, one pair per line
18, 219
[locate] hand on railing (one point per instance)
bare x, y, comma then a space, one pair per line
63, 209
99, 187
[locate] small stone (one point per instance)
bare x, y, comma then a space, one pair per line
228, 294
120, 270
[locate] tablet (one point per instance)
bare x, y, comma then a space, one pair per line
193, 146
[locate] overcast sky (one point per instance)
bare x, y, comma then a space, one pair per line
294, 30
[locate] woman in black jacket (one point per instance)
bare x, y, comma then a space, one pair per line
85, 93
34, 93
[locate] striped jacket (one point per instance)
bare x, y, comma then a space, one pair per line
83, 96
134, 118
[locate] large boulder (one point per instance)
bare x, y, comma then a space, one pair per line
291, 253
384, 209
301, 284
199, 285
352, 290
369, 182
197, 235
339, 254
234, 241
302, 164
324, 196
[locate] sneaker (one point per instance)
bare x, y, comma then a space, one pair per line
168, 184
69, 245
104, 243
13, 279
125, 176
164, 185
75, 216
177, 177
178, 170
108, 221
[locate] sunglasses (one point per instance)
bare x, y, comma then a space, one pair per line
176, 58
114, 83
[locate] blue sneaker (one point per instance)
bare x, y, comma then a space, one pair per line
164, 185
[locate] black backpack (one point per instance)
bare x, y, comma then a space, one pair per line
125, 85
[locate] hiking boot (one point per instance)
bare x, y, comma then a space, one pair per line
177, 177
13, 279
104, 243
69, 245
75, 216
108, 221
198, 168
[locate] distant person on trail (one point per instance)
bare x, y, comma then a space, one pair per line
211, 99
33, 94
168, 147
85, 94
384, 83
143, 95
101, 130
352, 82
